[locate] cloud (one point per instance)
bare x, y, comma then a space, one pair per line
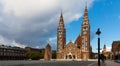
52, 41
34, 22
18, 44
8, 42
108, 48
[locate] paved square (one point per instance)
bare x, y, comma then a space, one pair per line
56, 63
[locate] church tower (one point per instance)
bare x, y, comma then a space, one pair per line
85, 33
61, 37
104, 49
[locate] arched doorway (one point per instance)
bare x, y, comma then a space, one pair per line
70, 56
74, 57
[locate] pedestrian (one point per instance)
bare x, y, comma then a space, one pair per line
102, 57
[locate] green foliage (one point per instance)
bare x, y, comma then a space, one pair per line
53, 54
28, 55
38, 55
34, 55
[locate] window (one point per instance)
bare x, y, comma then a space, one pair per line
84, 27
116, 52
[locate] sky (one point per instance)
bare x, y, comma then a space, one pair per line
34, 23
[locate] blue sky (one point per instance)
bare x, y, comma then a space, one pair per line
33, 23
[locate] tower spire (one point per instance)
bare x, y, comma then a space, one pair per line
61, 12
61, 37
86, 5
85, 16
104, 46
85, 11
85, 33
61, 21
61, 16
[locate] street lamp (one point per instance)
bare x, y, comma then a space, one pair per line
98, 33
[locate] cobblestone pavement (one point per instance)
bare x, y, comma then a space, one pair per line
46, 63
106, 63
112, 63
56, 63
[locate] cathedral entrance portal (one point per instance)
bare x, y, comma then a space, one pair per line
70, 56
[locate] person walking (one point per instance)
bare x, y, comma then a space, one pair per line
102, 57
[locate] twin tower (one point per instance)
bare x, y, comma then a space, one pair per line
81, 48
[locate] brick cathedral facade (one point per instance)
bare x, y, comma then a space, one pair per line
81, 48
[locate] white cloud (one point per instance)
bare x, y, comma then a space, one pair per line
28, 8
3, 41
18, 44
53, 42
37, 47
108, 48
51, 39
7, 42
31, 8
35, 21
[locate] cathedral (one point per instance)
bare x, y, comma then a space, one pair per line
81, 48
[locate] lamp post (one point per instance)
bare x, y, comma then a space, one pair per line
98, 33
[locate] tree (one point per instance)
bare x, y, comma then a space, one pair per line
53, 54
34, 55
